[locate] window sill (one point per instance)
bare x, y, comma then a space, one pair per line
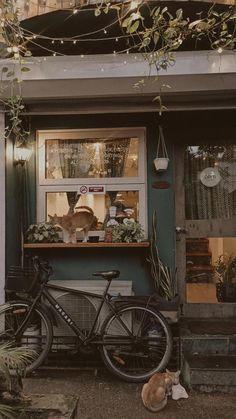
86, 245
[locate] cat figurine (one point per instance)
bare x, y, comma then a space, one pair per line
70, 222
157, 389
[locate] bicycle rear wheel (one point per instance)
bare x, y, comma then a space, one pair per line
137, 343
36, 335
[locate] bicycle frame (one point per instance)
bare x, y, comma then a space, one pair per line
104, 299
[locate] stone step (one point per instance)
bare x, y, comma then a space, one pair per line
45, 406
208, 337
210, 373
208, 345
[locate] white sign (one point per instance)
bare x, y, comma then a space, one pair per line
94, 189
210, 177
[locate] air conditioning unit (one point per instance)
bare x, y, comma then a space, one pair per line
82, 308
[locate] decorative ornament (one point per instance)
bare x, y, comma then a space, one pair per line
210, 177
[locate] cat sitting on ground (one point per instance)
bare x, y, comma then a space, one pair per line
155, 392
70, 222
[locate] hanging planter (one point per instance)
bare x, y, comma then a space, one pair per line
162, 160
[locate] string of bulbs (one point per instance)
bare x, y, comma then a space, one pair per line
29, 37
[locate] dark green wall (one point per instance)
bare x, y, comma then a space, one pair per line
181, 127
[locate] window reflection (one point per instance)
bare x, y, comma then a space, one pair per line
123, 204
211, 269
92, 158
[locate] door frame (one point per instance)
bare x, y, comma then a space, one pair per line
203, 310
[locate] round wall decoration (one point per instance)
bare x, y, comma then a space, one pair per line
210, 177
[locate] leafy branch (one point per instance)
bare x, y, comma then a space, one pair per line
165, 281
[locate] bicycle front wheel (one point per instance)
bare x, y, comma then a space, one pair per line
137, 343
36, 334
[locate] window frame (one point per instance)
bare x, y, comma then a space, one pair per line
70, 134
138, 183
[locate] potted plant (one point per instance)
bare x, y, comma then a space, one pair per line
42, 233
129, 231
225, 269
164, 279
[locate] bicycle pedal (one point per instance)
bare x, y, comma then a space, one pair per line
119, 360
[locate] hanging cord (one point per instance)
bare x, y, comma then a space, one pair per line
161, 145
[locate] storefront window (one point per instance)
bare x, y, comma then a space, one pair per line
103, 170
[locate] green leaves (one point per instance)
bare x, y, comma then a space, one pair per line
42, 232
128, 232
164, 279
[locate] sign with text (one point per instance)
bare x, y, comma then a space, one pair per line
94, 189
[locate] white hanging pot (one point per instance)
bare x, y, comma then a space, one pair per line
162, 160
161, 163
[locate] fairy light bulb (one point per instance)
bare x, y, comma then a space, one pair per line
75, 11
133, 4
105, 31
53, 42
117, 39
220, 50
62, 42
82, 56
74, 42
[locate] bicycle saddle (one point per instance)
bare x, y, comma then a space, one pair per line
109, 275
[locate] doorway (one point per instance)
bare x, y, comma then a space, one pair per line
205, 182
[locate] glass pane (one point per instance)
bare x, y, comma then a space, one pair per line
91, 158
210, 182
123, 203
211, 269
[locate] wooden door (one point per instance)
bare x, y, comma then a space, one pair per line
205, 188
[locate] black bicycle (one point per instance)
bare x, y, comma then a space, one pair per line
134, 339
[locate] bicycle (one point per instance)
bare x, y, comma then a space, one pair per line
134, 339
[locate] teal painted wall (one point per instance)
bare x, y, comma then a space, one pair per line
179, 128
80, 263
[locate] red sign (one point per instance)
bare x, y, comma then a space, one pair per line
96, 189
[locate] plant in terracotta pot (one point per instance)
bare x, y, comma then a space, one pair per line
225, 269
42, 233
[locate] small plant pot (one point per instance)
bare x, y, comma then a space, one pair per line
161, 163
93, 239
112, 211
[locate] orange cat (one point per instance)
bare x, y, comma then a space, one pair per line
155, 392
70, 222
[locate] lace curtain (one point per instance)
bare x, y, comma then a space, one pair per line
202, 202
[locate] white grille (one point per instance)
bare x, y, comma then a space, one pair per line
82, 309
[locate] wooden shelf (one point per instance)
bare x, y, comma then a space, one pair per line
198, 254
83, 245
200, 268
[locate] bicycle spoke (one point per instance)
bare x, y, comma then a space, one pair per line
137, 358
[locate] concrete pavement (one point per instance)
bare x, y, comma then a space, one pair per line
101, 396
